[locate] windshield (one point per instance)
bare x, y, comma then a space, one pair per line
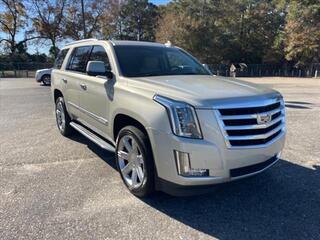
141, 61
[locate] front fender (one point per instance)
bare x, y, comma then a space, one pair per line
144, 110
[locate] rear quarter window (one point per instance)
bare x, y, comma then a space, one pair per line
60, 58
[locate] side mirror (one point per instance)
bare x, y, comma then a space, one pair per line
97, 68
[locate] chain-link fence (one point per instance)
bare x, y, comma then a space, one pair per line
16, 69
268, 70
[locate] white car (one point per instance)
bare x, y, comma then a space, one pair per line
44, 76
173, 125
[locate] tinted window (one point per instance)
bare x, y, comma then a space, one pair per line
139, 61
175, 59
59, 60
79, 59
99, 54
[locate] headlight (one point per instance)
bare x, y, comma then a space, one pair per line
183, 117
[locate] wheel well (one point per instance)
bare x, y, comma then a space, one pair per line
57, 94
122, 120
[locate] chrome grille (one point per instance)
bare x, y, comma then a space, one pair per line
253, 126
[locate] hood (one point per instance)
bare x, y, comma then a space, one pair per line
204, 91
45, 70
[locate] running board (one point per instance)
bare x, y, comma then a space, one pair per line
93, 137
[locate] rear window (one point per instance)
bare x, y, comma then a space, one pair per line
60, 58
79, 58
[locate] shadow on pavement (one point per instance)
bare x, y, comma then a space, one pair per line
296, 106
106, 156
281, 203
299, 102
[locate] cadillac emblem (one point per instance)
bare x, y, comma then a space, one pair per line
263, 118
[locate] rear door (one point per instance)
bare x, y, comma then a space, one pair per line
58, 70
95, 99
74, 74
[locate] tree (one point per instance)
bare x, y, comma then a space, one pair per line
224, 31
48, 20
196, 27
256, 36
12, 20
86, 23
302, 31
138, 20
111, 21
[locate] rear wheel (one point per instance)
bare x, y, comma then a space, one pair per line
62, 118
134, 161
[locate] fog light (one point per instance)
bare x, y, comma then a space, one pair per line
184, 166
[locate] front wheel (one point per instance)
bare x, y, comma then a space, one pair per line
134, 161
46, 80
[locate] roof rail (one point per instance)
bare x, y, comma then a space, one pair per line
81, 41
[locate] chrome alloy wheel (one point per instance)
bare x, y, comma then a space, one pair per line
60, 115
131, 162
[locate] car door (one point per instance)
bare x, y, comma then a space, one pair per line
75, 72
95, 98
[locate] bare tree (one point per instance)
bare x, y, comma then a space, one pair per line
48, 20
12, 20
85, 22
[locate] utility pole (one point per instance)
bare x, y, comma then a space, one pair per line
83, 20
139, 29
119, 20
137, 18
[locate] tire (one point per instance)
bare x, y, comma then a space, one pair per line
138, 160
62, 118
46, 80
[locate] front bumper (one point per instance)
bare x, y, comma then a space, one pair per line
237, 173
211, 152
37, 77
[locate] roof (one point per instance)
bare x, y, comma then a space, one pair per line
136, 43
82, 41
115, 43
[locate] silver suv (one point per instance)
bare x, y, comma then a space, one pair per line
173, 125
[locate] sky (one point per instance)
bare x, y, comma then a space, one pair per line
45, 48
158, 2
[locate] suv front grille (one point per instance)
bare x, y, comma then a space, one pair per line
251, 126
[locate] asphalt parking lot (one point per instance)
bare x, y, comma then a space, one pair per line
53, 187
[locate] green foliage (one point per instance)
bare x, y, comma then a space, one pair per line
215, 31
302, 31
138, 20
226, 30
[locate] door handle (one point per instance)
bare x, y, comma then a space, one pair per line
64, 80
83, 86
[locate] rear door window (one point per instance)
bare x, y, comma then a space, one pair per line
99, 54
60, 58
79, 58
